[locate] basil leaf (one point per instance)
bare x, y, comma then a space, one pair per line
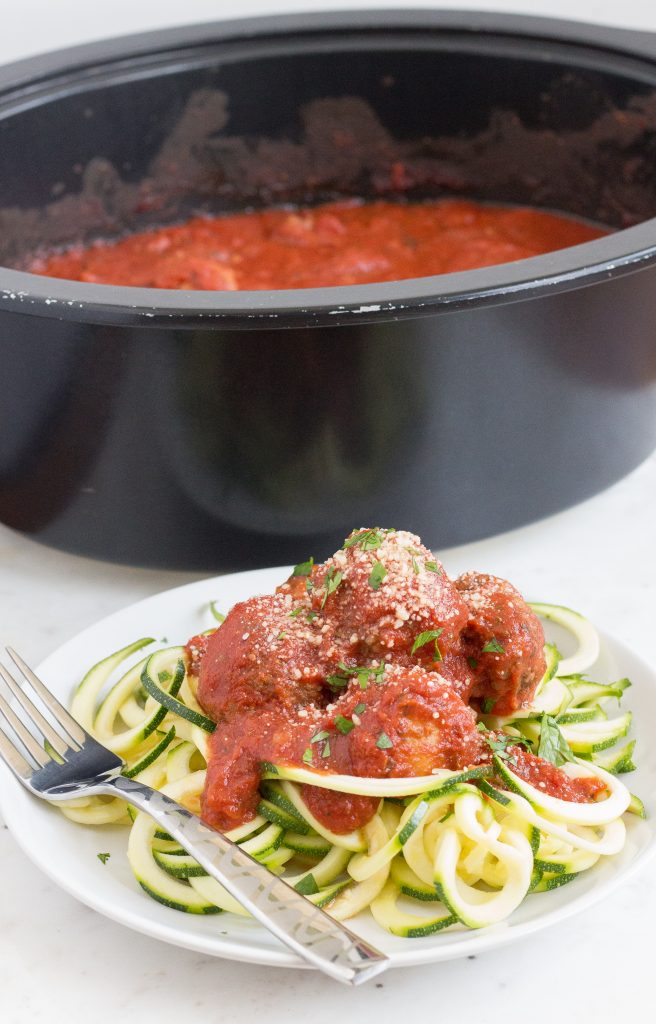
553, 746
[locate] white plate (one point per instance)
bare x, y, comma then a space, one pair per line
68, 852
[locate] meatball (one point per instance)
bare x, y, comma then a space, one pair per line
406, 722
382, 590
503, 641
261, 656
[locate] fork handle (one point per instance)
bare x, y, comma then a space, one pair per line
304, 928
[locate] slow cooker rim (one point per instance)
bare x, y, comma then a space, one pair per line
625, 251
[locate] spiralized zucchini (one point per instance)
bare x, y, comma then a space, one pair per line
453, 849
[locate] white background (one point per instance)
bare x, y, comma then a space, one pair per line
60, 961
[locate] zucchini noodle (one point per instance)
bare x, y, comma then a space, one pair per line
451, 849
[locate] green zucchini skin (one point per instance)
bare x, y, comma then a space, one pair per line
417, 852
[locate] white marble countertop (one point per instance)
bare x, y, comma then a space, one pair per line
60, 960
599, 557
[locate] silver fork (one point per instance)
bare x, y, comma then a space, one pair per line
83, 767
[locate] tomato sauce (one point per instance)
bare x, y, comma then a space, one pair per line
366, 665
340, 243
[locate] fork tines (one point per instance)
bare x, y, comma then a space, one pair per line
68, 734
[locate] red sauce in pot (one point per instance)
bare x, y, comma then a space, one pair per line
334, 244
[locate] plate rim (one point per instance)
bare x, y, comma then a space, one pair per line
15, 809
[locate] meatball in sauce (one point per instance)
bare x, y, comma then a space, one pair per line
373, 663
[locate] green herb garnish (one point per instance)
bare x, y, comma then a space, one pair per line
487, 705
344, 725
359, 709
415, 566
384, 742
433, 567
368, 540
377, 575
331, 583
295, 612
362, 673
323, 735
303, 568
553, 746
326, 749
104, 857
499, 743
308, 755
426, 638
472, 662
493, 647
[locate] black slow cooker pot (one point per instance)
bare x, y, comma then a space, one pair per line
222, 430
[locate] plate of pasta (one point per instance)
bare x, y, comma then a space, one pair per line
439, 762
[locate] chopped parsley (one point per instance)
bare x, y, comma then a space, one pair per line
427, 637
104, 857
331, 583
323, 735
384, 742
377, 575
281, 636
415, 566
499, 743
307, 886
472, 663
297, 611
553, 746
326, 749
359, 709
311, 615
368, 540
303, 568
433, 567
487, 706
344, 725
493, 647
308, 754
362, 673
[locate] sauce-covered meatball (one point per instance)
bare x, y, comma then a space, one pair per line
503, 640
